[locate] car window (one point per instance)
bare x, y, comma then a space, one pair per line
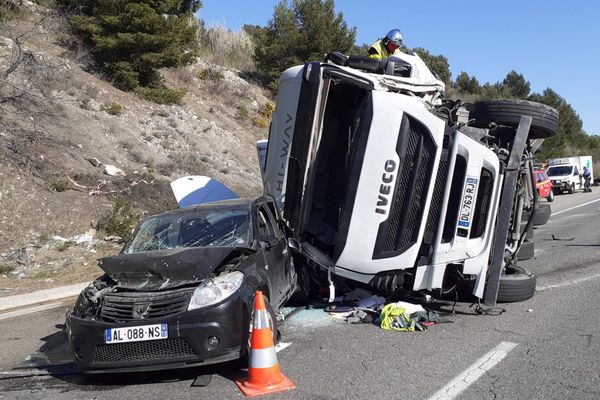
540, 177
264, 225
202, 228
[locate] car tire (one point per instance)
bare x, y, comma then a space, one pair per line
550, 197
544, 122
516, 284
526, 251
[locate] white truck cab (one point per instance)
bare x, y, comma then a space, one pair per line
377, 181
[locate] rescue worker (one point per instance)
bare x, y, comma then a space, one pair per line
388, 46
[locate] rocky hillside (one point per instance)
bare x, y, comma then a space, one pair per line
70, 142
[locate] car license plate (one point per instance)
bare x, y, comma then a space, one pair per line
136, 333
468, 203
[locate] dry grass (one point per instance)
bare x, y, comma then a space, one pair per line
227, 48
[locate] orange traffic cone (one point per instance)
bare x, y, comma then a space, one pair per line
264, 375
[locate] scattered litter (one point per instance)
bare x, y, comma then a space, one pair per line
202, 380
113, 171
84, 238
94, 161
530, 310
562, 239
115, 239
20, 256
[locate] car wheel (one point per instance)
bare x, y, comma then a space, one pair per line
571, 188
544, 122
244, 351
526, 251
550, 197
516, 284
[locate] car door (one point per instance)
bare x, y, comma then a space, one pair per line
276, 254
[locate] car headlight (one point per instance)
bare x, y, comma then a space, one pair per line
214, 290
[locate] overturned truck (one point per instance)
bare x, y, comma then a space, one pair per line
381, 181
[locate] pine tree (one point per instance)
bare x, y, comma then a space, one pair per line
132, 39
304, 31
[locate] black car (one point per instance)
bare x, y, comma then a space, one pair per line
181, 291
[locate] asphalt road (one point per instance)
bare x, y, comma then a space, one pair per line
544, 348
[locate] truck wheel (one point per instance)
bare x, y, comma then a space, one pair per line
550, 197
571, 189
526, 251
544, 122
516, 284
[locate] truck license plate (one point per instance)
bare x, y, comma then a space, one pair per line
468, 203
136, 333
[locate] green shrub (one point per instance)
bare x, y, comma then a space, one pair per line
161, 95
210, 74
59, 186
261, 121
64, 245
113, 108
119, 220
242, 112
7, 269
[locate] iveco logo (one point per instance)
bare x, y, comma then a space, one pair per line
385, 188
140, 311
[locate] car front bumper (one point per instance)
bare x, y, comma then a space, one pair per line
187, 344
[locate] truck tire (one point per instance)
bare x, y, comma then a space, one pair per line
571, 189
516, 284
527, 250
544, 122
550, 197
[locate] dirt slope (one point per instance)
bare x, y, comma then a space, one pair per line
55, 117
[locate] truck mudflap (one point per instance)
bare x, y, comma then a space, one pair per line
467, 215
507, 198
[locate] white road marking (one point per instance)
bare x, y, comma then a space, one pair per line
574, 207
29, 310
474, 372
280, 346
568, 283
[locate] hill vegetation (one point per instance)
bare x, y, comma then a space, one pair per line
146, 87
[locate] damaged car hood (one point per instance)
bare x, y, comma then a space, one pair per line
164, 269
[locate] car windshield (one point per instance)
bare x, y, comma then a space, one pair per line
224, 226
558, 171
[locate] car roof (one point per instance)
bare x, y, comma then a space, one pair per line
231, 203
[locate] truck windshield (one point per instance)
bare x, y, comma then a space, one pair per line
560, 170
225, 226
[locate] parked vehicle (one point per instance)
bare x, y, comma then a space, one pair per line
565, 173
382, 182
181, 292
544, 186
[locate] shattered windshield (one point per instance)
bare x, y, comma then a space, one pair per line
225, 226
558, 171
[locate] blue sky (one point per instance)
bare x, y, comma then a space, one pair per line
552, 43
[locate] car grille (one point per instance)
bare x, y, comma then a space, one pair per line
165, 349
128, 306
416, 151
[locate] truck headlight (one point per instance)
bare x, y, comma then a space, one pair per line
214, 290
